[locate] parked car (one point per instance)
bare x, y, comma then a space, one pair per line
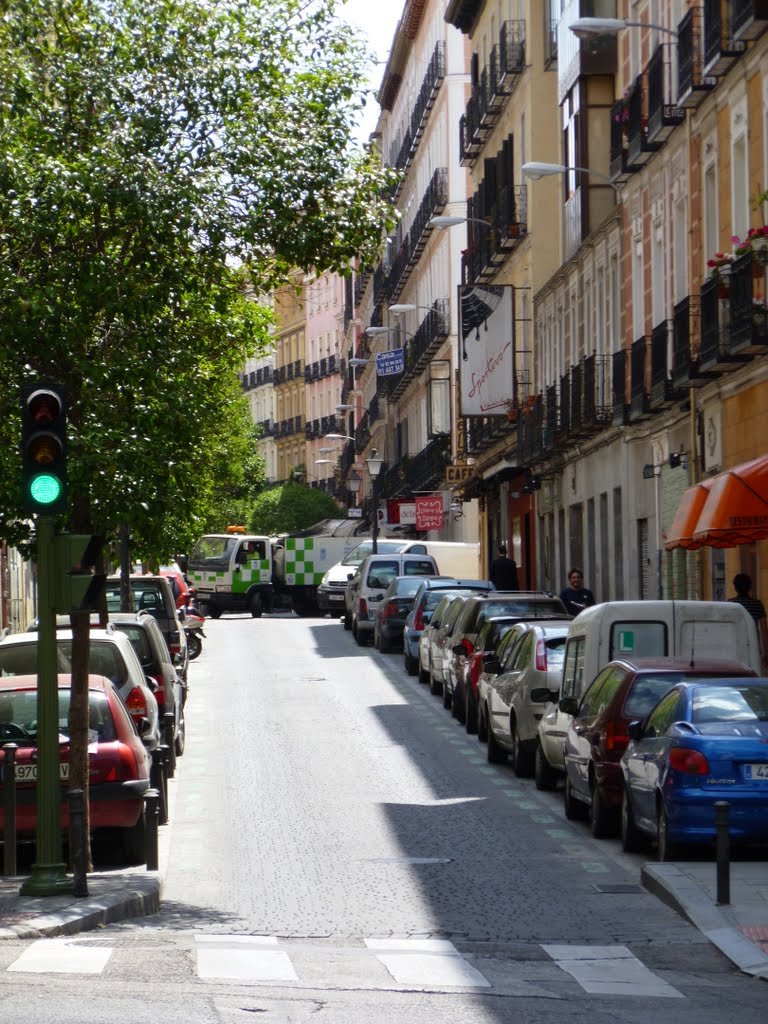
142, 630
154, 595
706, 740
437, 636
118, 762
516, 689
392, 611
111, 655
333, 586
528, 604
373, 576
427, 598
597, 737
181, 590
491, 633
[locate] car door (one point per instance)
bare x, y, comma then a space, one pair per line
646, 761
503, 686
581, 732
487, 678
442, 638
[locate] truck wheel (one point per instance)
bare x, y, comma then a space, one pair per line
255, 606
214, 612
347, 621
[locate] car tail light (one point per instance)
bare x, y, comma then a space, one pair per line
475, 668
468, 646
541, 656
136, 703
174, 642
693, 762
616, 738
388, 611
362, 608
418, 619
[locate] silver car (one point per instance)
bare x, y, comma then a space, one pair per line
517, 687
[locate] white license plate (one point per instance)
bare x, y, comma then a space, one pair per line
336, 597
756, 771
28, 772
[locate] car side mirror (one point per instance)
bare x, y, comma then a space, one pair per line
350, 575
143, 726
635, 730
458, 649
151, 683
568, 705
493, 666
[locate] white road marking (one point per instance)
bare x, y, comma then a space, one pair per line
242, 957
433, 962
58, 956
610, 970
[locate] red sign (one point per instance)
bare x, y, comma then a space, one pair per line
429, 514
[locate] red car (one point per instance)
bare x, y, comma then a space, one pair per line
118, 760
624, 691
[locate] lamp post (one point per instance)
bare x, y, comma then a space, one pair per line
374, 464
354, 480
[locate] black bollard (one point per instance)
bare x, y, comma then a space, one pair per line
77, 840
9, 809
723, 847
157, 781
152, 820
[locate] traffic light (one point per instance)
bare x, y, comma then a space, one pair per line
76, 586
44, 449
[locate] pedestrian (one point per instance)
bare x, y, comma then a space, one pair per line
503, 572
576, 597
742, 584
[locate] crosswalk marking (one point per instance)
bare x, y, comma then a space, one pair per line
610, 970
242, 958
426, 962
61, 956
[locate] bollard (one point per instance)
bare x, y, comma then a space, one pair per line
152, 820
9, 809
723, 844
169, 724
157, 782
166, 775
77, 840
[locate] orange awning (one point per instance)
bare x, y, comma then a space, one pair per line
736, 511
680, 533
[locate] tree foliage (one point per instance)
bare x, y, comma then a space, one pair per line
289, 508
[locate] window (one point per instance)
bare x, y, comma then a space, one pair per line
573, 671
439, 398
523, 654
666, 712
638, 640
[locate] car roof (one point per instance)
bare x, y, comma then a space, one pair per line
691, 684
713, 666
64, 682
438, 582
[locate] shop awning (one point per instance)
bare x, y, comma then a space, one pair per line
736, 511
680, 533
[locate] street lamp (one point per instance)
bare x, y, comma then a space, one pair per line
447, 221
373, 331
337, 437
535, 169
354, 480
374, 464
587, 28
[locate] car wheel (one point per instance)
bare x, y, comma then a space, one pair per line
347, 621
632, 839
411, 665
458, 705
134, 842
666, 849
482, 725
447, 697
494, 753
424, 676
357, 635
435, 686
385, 645
522, 764
470, 712
575, 810
545, 775
181, 734
602, 821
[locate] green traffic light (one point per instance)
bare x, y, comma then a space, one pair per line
45, 488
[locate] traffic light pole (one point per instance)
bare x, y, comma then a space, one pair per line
48, 877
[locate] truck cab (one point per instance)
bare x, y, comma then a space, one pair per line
232, 572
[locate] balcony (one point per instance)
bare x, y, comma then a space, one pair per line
495, 83
530, 433
749, 18
420, 349
566, 426
619, 408
692, 84
721, 50
425, 101
620, 167
639, 407
363, 432
663, 391
639, 148
506, 213
483, 432
550, 434
432, 203
595, 411
748, 282
663, 116
715, 356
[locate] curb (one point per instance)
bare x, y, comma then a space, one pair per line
680, 892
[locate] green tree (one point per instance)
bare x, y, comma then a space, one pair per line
291, 507
153, 154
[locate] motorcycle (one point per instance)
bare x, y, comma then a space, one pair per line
193, 627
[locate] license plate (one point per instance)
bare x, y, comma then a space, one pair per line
28, 772
756, 771
336, 597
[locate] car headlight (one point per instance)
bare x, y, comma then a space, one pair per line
324, 580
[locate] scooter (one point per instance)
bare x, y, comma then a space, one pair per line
193, 627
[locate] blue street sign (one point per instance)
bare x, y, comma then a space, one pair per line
391, 362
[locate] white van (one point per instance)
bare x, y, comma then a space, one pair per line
643, 629
455, 558
367, 586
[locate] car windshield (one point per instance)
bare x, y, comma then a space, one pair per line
384, 547
18, 716
212, 552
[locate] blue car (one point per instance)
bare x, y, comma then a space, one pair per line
705, 740
428, 597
